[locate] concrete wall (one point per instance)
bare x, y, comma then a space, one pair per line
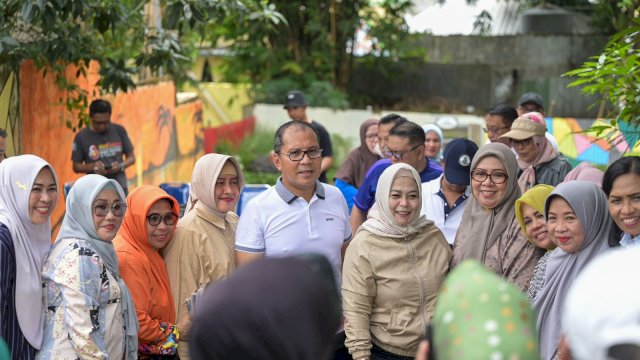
478, 71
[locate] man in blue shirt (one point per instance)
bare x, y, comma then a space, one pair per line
405, 145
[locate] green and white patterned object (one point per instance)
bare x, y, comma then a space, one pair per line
481, 316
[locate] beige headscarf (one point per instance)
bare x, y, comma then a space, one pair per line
381, 221
480, 228
203, 182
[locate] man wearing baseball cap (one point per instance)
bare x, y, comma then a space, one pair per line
530, 102
296, 106
444, 198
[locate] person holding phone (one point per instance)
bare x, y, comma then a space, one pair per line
103, 148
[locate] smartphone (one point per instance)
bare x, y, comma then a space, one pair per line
428, 335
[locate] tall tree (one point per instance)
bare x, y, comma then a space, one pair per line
124, 36
314, 48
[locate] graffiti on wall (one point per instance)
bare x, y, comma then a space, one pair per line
9, 106
578, 145
167, 138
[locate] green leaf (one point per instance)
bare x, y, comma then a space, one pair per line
27, 11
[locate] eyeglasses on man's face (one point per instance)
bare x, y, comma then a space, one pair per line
494, 130
397, 154
297, 155
155, 219
102, 208
517, 143
497, 177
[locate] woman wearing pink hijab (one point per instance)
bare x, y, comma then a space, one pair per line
587, 172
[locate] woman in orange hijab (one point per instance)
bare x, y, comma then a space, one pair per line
147, 228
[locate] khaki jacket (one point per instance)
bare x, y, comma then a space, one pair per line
202, 251
389, 289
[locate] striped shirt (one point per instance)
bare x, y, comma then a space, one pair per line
9, 327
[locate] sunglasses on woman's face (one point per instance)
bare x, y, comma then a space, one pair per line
102, 208
155, 219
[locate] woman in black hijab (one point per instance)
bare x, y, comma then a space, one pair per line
275, 308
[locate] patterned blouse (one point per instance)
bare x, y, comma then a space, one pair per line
537, 280
84, 317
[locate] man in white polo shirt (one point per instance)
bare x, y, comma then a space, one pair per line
299, 214
444, 198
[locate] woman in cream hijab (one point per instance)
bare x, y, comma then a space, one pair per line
392, 271
203, 246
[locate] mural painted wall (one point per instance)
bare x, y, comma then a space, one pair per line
9, 114
578, 145
167, 138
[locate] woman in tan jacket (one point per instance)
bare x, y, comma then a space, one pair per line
203, 246
392, 271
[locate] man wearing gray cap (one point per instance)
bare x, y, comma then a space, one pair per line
296, 106
530, 102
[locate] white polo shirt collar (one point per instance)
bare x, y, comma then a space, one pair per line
290, 197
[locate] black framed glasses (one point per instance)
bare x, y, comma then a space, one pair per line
297, 155
497, 177
102, 208
517, 143
155, 219
396, 154
494, 130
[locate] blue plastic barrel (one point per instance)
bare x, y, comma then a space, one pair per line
67, 188
178, 190
249, 192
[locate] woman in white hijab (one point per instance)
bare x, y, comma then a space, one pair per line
433, 141
601, 316
392, 271
29, 193
203, 246
578, 222
90, 313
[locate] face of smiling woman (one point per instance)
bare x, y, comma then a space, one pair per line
107, 226
564, 226
227, 190
404, 199
624, 203
487, 192
43, 197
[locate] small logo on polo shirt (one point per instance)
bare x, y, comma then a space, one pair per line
329, 219
464, 160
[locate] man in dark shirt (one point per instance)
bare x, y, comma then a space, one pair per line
103, 148
296, 106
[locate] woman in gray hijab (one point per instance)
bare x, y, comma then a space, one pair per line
578, 222
489, 231
90, 313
